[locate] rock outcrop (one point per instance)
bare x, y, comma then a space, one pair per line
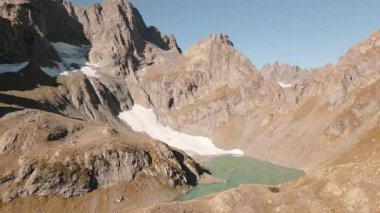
53, 158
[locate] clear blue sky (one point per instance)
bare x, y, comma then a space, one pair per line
309, 33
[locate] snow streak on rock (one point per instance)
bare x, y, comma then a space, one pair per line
283, 85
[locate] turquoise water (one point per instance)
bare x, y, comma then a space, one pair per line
241, 170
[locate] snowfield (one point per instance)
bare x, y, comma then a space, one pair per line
144, 120
74, 58
12, 67
283, 85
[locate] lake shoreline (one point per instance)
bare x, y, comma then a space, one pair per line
229, 171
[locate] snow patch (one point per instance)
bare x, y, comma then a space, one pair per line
74, 58
284, 85
144, 120
54, 71
71, 55
4, 68
88, 70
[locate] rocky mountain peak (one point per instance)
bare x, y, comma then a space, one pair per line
283, 73
116, 33
218, 54
119, 35
216, 39
222, 38
112, 3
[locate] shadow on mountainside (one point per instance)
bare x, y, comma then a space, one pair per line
28, 78
24, 103
6, 110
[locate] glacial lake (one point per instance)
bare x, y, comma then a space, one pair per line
237, 170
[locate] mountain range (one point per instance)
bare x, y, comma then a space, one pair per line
69, 75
